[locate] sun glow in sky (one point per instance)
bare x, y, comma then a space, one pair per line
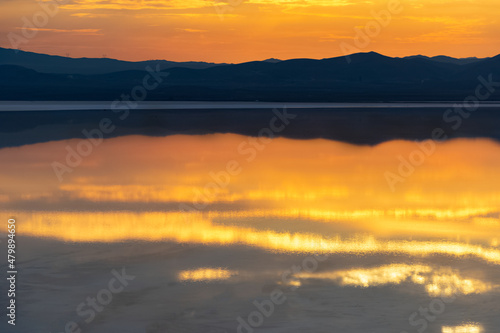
238, 31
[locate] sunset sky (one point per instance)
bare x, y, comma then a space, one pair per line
238, 31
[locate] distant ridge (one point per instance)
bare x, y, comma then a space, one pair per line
272, 60
368, 76
450, 60
45, 63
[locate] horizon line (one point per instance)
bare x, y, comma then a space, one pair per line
237, 63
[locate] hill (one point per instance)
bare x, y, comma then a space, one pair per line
368, 77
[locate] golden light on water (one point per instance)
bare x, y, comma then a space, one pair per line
295, 197
197, 229
323, 179
453, 195
206, 274
291, 196
437, 281
467, 328
436, 223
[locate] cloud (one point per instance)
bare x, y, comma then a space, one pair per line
89, 15
72, 31
136, 5
308, 3
192, 4
447, 29
191, 30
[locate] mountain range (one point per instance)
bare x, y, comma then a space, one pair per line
366, 77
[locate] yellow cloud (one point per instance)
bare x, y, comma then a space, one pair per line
72, 31
191, 30
136, 5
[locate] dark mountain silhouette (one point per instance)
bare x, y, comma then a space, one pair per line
273, 60
44, 63
450, 60
460, 61
484, 68
367, 77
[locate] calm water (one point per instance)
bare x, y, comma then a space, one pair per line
231, 233
148, 105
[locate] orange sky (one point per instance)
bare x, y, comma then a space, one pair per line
237, 31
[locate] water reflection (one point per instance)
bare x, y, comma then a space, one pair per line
437, 281
197, 228
459, 181
467, 328
288, 198
206, 274
453, 195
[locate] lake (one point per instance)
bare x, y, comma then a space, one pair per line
309, 218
